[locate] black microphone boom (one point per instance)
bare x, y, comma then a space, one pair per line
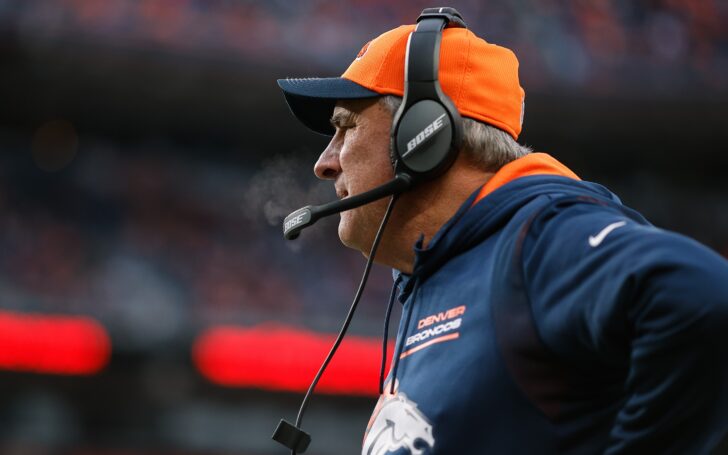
306, 216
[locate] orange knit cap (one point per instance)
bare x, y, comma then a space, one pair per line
480, 78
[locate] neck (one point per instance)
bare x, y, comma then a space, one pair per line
424, 211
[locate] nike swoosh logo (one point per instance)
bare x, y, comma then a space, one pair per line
596, 240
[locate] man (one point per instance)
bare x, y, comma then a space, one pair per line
540, 315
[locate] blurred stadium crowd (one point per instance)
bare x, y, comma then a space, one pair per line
598, 45
157, 246
148, 159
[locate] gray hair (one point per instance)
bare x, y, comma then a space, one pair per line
488, 148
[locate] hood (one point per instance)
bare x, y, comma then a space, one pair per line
472, 224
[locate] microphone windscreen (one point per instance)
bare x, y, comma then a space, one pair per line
296, 221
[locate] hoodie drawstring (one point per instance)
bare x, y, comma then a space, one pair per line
400, 346
392, 296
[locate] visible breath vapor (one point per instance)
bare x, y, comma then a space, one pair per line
284, 184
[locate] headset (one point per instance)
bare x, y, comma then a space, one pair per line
426, 137
427, 129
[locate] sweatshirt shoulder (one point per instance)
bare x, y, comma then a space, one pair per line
584, 224
587, 248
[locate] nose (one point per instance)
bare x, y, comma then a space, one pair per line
328, 167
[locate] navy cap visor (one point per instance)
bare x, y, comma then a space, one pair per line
312, 100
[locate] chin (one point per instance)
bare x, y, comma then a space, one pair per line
350, 233
345, 234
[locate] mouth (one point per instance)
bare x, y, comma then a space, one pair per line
341, 194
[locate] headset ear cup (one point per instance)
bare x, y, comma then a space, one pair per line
424, 137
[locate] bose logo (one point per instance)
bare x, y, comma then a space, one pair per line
295, 221
429, 130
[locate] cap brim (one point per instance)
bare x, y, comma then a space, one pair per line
312, 100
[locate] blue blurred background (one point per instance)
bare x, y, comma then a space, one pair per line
148, 159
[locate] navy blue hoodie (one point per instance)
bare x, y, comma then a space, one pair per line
549, 318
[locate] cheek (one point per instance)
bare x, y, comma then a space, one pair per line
367, 163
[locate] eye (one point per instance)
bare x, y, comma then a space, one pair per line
344, 126
343, 122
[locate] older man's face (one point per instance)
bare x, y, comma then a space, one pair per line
357, 160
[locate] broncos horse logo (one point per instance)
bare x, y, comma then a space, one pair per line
398, 424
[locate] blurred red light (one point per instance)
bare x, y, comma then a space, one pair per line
66, 345
275, 357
